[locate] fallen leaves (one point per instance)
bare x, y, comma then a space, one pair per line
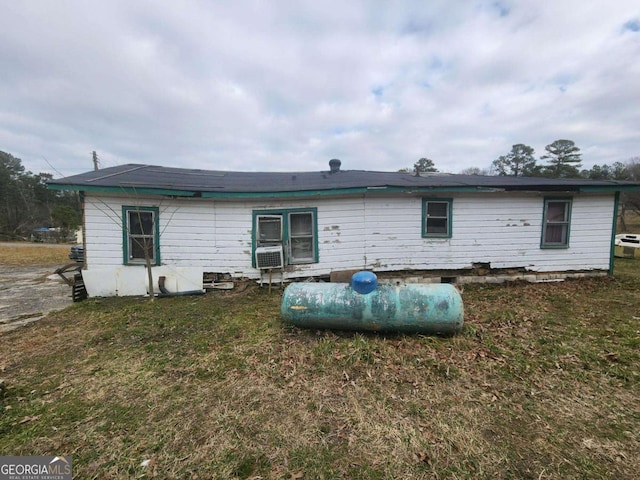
28, 419
422, 457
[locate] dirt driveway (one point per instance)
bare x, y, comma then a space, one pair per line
28, 293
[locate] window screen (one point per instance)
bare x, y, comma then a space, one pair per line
437, 218
141, 235
556, 223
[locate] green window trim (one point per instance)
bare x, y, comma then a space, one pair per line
437, 217
614, 229
556, 227
289, 236
128, 237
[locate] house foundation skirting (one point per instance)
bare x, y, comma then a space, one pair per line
388, 278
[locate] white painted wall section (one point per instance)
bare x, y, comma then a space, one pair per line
376, 232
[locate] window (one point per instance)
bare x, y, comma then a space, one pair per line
293, 229
301, 237
555, 223
436, 217
140, 235
269, 230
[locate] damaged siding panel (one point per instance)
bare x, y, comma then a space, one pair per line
474, 236
339, 235
393, 234
495, 214
591, 221
489, 235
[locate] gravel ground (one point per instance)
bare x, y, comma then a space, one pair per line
29, 293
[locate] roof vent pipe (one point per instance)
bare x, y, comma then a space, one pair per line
334, 165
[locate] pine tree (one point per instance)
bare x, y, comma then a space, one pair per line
563, 158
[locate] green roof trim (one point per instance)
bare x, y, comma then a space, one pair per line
133, 190
607, 188
326, 192
614, 229
336, 192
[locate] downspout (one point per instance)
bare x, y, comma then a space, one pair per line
84, 230
614, 229
166, 293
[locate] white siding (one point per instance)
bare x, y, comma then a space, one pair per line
502, 230
374, 232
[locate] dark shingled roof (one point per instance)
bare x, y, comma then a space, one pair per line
180, 181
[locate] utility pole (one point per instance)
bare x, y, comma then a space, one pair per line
95, 160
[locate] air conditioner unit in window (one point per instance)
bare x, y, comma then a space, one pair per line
269, 257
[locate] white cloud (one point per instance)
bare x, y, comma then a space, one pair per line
288, 85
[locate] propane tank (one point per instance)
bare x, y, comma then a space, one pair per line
365, 305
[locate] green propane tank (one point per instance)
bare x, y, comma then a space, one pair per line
418, 308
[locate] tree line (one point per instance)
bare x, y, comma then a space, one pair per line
28, 208
562, 160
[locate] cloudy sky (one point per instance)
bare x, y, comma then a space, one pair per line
289, 84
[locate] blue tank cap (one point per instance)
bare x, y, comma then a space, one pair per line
364, 282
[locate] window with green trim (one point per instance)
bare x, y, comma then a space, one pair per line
140, 235
295, 230
556, 222
436, 217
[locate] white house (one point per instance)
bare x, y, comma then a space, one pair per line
312, 224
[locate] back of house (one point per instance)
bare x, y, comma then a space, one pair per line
193, 224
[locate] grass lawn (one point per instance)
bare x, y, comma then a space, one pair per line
23, 254
543, 382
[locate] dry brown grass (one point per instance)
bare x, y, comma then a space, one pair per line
631, 222
542, 383
43, 254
